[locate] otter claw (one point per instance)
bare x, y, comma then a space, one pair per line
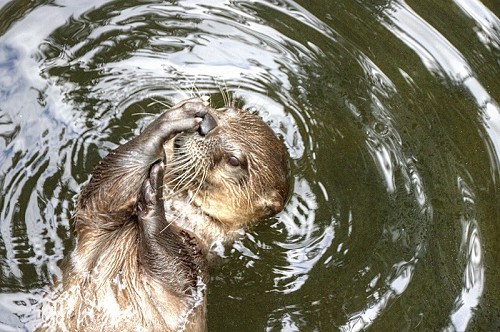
147, 197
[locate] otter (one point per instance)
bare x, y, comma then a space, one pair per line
147, 220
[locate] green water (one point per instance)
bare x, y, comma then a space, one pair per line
389, 110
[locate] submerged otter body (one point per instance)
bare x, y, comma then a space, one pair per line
151, 211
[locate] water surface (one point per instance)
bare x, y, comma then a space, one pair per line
389, 110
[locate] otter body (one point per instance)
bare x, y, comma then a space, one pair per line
153, 208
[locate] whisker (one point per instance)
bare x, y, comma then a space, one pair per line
203, 177
168, 225
183, 176
156, 101
188, 184
144, 113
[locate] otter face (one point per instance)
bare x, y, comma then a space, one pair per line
234, 168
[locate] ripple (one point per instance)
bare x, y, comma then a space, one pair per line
471, 253
388, 114
487, 23
443, 58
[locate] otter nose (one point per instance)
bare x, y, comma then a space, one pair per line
207, 124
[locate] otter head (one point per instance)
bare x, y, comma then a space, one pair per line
233, 168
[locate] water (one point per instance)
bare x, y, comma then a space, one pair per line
390, 112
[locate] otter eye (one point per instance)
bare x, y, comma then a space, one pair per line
233, 161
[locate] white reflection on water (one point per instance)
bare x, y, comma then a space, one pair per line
443, 59
435, 51
487, 23
41, 121
17, 311
471, 252
403, 271
403, 274
383, 140
304, 246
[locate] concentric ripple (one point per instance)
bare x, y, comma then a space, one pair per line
387, 109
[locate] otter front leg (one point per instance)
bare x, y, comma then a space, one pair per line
168, 253
116, 181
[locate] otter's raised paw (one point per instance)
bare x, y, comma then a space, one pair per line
194, 107
183, 117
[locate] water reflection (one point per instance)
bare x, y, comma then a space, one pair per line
303, 247
443, 58
403, 273
471, 254
16, 310
382, 147
487, 23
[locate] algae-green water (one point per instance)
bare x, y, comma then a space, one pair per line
389, 110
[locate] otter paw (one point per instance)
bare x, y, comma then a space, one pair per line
207, 124
185, 116
194, 107
148, 197
186, 109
